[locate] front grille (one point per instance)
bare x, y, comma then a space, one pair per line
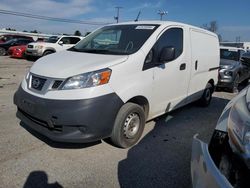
37, 82
57, 84
30, 46
41, 122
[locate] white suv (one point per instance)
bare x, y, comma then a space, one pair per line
53, 44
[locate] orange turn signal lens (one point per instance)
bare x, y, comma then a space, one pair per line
105, 76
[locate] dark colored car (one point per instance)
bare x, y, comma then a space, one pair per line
232, 70
7, 37
13, 42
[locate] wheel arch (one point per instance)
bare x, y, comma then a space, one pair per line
49, 49
141, 101
211, 81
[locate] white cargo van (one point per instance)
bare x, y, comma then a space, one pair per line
116, 79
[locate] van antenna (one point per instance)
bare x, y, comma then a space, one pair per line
138, 15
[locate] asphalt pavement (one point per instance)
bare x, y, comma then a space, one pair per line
160, 159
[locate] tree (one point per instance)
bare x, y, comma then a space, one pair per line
77, 33
212, 26
87, 33
35, 31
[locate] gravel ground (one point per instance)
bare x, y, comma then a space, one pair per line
160, 159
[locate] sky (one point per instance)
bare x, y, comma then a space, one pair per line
232, 16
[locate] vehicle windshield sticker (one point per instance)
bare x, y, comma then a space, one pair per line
232, 50
145, 27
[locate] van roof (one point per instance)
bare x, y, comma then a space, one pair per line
165, 23
231, 48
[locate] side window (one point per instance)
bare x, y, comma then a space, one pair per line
65, 40
74, 40
172, 37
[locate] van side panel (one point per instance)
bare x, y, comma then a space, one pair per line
204, 61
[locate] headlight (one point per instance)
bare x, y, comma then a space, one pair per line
89, 79
38, 47
227, 66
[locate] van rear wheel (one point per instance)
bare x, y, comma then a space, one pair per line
129, 125
206, 96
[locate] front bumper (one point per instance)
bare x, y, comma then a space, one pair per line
204, 172
75, 121
34, 53
225, 80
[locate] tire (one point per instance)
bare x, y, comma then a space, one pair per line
47, 52
205, 100
129, 125
2, 52
235, 84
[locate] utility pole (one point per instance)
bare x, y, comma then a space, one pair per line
162, 13
118, 14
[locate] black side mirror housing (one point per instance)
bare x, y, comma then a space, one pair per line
167, 54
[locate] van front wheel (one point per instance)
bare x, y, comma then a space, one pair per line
129, 125
206, 96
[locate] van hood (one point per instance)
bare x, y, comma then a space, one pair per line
228, 62
66, 63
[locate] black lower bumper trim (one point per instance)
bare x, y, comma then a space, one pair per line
75, 121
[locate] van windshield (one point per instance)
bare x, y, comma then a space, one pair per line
116, 39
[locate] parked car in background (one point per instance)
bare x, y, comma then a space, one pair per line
4, 47
17, 51
51, 45
117, 78
226, 161
6, 37
232, 71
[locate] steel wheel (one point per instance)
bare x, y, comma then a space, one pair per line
131, 125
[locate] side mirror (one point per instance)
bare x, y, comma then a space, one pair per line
60, 42
167, 54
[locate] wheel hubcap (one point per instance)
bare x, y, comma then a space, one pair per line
131, 125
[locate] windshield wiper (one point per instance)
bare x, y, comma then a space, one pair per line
98, 51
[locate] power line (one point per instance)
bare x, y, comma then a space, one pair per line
50, 18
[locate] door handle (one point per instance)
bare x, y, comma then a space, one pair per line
196, 64
183, 66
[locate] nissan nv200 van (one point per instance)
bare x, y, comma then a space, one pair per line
116, 79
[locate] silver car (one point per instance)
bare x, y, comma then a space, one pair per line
225, 161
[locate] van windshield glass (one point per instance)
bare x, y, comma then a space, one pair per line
229, 54
116, 40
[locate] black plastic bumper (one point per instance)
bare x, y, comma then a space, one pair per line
75, 121
224, 84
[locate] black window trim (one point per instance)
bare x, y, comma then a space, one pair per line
152, 65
